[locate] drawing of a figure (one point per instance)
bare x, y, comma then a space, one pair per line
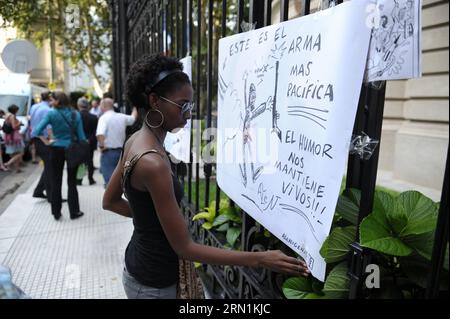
250, 114
407, 18
395, 30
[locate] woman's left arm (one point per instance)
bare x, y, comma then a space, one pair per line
112, 198
16, 123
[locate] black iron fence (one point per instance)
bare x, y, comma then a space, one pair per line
193, 27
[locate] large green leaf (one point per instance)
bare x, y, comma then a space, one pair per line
219, 220
297, 287
208, 214
422, 244
224, 203
417, 206
300, 288
383, 205
348, 205
336, 246
223, 227
232, 214
207, 225
337, 284
233, 234
397, 218
375, 235
420, 211
399, 225
317, 286
314, 296
418, 227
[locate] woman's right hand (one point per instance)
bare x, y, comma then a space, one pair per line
277, 261
46, 141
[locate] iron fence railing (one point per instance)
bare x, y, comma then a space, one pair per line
181, 27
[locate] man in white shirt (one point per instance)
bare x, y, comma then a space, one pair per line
95, 107
111, 134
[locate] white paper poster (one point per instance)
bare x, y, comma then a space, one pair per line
288, 96
395, 50
178, 143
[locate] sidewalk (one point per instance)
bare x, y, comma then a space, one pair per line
80, 258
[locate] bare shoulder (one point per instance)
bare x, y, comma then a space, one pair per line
152, 164
151, 170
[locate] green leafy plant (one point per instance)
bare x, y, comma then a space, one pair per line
336, 247
400, 233
401, 230
226, 220
395, 223
208, 214
336, 286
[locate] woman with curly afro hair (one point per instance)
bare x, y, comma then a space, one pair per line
159, 89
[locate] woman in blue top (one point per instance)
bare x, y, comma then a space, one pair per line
60, 118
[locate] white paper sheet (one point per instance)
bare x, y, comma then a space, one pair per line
293, 86
395, 49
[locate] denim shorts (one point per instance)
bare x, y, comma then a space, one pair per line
136, 290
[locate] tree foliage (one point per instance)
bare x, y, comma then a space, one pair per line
82, 28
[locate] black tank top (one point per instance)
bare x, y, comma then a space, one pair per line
149, 258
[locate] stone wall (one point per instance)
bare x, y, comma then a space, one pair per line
415, 128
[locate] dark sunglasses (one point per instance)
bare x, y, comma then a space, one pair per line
185, 107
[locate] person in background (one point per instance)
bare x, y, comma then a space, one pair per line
14, 141
90, 128
95, 107
62, 118
33, 151
32, 147
37, 114
111, 136
3, 168
109, 95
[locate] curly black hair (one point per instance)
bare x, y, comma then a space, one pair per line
13, 109
143, 74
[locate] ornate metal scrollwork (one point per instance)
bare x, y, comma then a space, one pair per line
249, 291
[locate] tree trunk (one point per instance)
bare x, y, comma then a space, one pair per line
90, 61
95, 78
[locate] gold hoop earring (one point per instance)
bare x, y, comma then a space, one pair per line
154, 126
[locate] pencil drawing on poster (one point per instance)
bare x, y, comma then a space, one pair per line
391, 39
